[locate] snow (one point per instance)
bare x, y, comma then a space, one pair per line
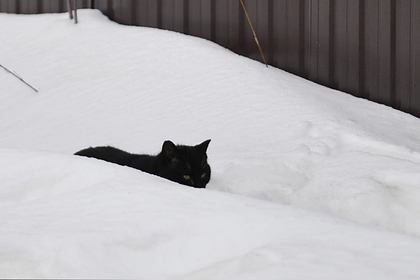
307, 182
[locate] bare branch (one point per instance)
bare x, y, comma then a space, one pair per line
20, 78
69, 9
72, 5
253, 32
75, 11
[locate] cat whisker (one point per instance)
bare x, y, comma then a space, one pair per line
204, 162
187, 163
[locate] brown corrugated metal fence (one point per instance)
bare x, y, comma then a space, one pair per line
369, 48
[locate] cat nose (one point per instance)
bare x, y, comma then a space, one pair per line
199, 186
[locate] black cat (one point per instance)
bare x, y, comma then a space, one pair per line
186, 165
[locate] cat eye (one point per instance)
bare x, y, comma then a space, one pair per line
203, 175
187, 177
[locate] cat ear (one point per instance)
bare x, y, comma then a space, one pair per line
168, 149
203, 146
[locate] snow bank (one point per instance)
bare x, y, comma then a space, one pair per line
71, 217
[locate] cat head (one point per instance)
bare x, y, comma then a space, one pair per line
186, 165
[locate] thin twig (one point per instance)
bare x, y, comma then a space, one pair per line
253, 32
17, 76
69, 9
75, 11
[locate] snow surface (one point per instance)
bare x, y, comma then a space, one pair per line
308, 182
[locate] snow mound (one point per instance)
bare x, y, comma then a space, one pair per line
72, 217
